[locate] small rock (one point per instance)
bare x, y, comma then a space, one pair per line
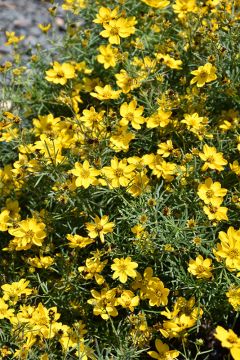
3, 4
4, 49
21, 23
60, 23
5, 105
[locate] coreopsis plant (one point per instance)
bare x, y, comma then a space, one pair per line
119, 183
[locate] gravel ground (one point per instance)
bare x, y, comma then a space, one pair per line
23, 16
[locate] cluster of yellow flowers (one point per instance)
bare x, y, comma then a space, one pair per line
33, 324
119, 184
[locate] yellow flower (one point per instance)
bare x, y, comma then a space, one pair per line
126, 82
85, 174
50, 148
78, 241
229, 340
137, 230
105, 15
233, 295
60, 73
121, 138
147, 65
120, 28
139, 184
44, 27
8, 119
5, 220
210, 192
5, 312
104, 303
142, 282
169, 61
105, 93
165, 148
119, 173
28, 232
73, 5
45, 124
182, 7
163, 352
84, 352
12, 38
160, 118
235, 167
5, 351
160, 167
183, 317
216, 212
44, 357
213, 160
151, 288
229, 120
156, 292
159, 4
229, 248
42, 262
92, 269
92, 118
13, 291
100, 227
201, 268
194, 122
128, 300
131, 113
123, 268
40, 321
108, 56
204, 74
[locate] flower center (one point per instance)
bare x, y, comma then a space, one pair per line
200, 269
234, 253
209, 194
108, 57
60, 74
99, 227
122, 267
130, 117
213, 209
203, 75
85, 174
107, 94
231, 339
30, 233
118, 173
114, 31
210, 159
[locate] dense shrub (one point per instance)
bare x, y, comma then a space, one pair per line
119, 184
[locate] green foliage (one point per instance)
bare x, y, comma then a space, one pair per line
119, 157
